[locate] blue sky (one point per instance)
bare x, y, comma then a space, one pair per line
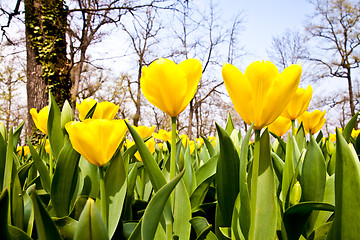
265, 19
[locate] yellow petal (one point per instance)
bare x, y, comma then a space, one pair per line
313, 121
280, 126
40, 119
144, 131
84, 107
105, 110
96, 139
298, 103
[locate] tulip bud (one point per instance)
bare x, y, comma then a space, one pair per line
295, 194
67, 114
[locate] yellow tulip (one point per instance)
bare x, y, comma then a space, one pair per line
149, 143
169, 86
355, 133
280, 126
262, 93
96, 139
103, 110
192, 146
40, 119
163, 135
212, 140
184, 139
21, 149
144, 131
298, 103
313, 121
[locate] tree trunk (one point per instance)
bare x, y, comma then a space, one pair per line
351, 94
47, 64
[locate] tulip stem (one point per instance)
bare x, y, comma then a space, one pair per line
51, 164
293, 127
103, 195
254, 180
173, 148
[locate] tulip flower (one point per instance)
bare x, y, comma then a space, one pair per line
313, 121
212, 140
280, 126
149, 143
163, 135
23, 149
103, 110
169, 86
298, 103
96, 139
40, 118
261, 94
144, 131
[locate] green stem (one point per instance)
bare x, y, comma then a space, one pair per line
103, 196
254, 180
293, 127
51, 164
173, 147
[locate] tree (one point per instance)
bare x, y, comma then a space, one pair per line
336, 24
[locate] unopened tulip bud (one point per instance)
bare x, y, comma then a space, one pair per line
3, 130
67, 114
295, 194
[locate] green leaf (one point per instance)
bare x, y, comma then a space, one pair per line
209, 146
136, 233
90, 178
155, 208
90, 225
206, 170
288, 171
266, 200
202, 228
313, 179
227, 176
349, 127
46, 228
17, 133
9, 162
346, 224
229, 125
55, 132
17, 203
17, 234
244, 212
40, 167
115, 187
4, 213
199, 194
236, 232
156, 177
296, 216
66, 226
3, 147
128, 229
182, 211
64, 180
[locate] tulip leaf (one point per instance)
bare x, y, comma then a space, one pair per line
199, 194
64, 180
202, 229
66, 226
244, 213
209, 146
229, 125
9, 161
182, 211
206, 170
278, 165
17, 234
17, 133
55, 132
349, 127
189, 176
46, 228
40, 167
90, 178
3, 147
4, 213
227, 176
347, 192
296, 216
288, 171
91, 111
17, 203
136, 233
115, 187
313, 179
266, 202
128, 229
90, 225
236, 232
155, 208
156, 177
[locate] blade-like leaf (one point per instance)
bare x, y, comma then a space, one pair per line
349, 127
155, 208
64, 180
90, 225
227, 176
55, 132
46, 228
202, 228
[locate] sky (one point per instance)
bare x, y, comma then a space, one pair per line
265, 19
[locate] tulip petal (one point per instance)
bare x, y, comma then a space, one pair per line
84, 107
40, 119
164, 85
